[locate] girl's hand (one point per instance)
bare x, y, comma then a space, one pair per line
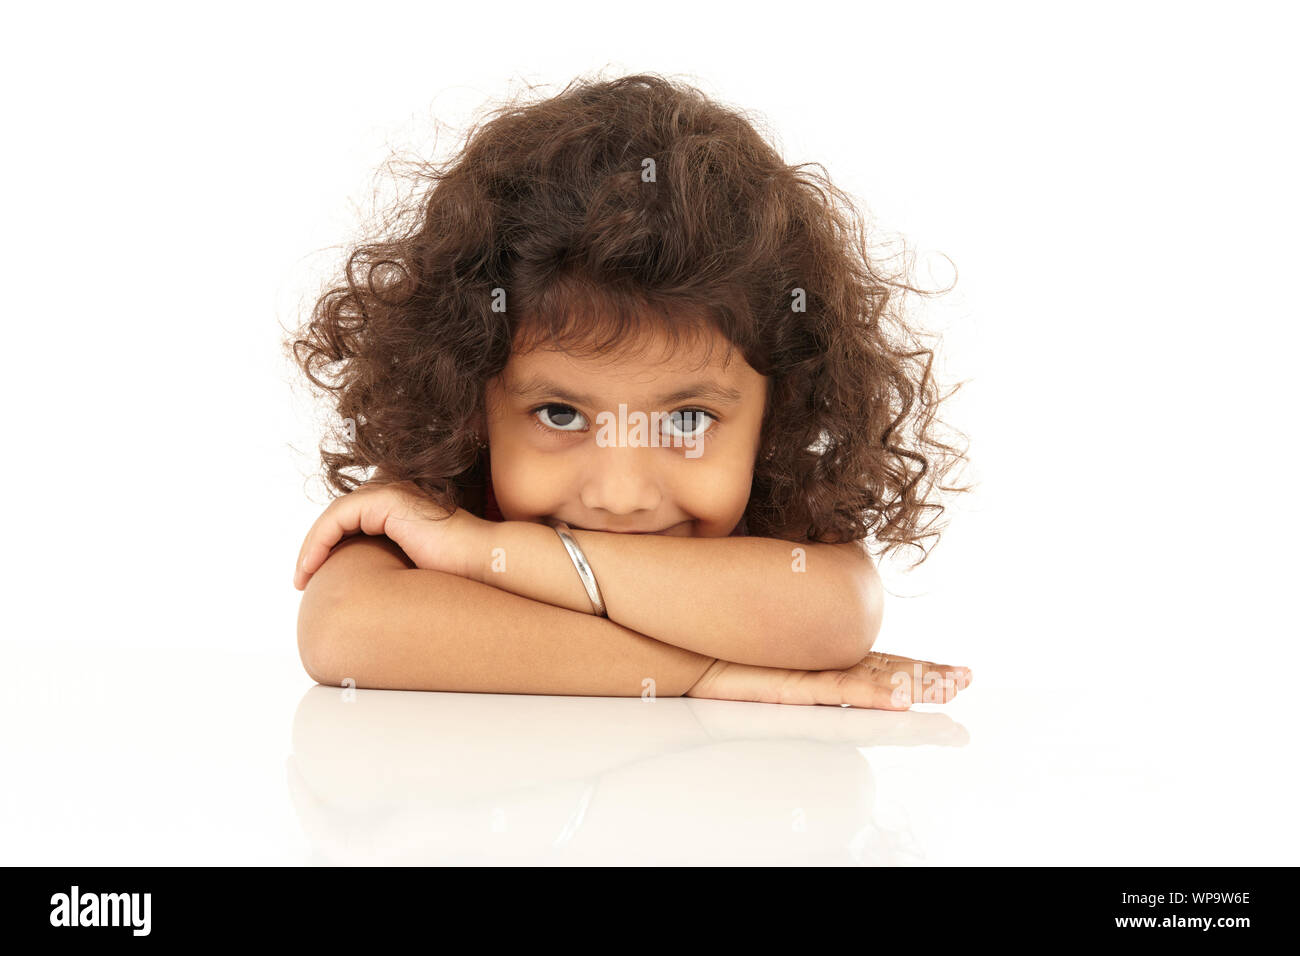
414, 521
878, 681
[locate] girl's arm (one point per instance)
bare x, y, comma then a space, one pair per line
369, 615
760, 601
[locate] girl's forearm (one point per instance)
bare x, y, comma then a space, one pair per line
366, 618
743, 599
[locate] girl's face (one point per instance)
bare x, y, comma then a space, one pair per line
558, 450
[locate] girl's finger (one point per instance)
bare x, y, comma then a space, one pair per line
892, 658
837, 688
347, 515
325, 533
924, 671
932, 682
319, 530
892, 662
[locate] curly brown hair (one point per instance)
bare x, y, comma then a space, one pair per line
550, 201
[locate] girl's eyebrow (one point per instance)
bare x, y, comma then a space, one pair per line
723, 394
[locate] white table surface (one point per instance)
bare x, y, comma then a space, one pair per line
148, 756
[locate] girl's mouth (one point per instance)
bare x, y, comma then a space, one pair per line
616, 531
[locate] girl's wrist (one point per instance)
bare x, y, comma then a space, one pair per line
478, 549
529, 559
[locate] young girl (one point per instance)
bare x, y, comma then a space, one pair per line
627, 397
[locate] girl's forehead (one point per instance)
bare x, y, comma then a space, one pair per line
630, 364
660, 361
678, 348
589, 381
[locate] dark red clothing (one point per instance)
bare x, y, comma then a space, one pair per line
490, 510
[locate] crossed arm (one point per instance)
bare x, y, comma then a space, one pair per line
753, 601
760, 601
370, 615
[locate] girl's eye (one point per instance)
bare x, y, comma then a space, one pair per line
693, 423
681, 425
563, 421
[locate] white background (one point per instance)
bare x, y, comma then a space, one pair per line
1115, 184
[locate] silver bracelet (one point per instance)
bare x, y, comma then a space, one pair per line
584, 569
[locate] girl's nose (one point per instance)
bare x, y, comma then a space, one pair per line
621, 481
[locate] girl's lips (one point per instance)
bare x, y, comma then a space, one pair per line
615, 531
